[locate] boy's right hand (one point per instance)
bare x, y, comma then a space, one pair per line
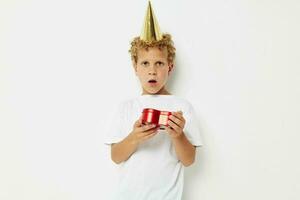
141, 132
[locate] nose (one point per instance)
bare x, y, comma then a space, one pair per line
152, 70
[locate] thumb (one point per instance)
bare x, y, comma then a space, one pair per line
138, 123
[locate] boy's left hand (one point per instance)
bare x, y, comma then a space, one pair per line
176, 124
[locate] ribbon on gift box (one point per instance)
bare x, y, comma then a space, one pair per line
157, 117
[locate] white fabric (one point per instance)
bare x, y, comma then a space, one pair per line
153, 171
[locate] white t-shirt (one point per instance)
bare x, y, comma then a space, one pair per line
153, 171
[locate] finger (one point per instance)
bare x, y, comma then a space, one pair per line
148, 132
145, 127
174, 126
138, 123
178, 115
170, 131
177, 121
145, 134
149, 136
140, 119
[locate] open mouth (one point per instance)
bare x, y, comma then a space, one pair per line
152, 81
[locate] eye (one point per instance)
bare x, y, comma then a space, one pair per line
145, 63
159, 63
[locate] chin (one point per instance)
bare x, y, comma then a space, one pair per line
152, 91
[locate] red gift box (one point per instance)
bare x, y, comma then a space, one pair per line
157, 117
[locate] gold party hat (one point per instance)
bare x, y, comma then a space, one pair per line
150, 31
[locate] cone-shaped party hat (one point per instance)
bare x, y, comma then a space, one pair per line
151, 31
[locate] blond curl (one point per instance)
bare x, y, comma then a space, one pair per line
165, 42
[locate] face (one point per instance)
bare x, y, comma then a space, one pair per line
153, 69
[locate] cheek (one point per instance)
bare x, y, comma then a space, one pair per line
164, 73
141, 74
141, 70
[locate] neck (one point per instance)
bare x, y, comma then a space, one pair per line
162, 91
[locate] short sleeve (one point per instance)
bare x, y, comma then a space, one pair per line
191, 128
115, 125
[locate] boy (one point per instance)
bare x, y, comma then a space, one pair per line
152, 160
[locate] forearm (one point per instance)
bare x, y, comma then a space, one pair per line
184, 149
123, 150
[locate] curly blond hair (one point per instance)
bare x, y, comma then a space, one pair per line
166, 41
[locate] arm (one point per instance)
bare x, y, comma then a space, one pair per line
184, 150
122, 151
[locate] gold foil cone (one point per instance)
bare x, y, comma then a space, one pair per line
151, 31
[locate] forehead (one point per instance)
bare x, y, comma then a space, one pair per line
152, 53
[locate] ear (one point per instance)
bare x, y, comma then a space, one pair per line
171, 66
